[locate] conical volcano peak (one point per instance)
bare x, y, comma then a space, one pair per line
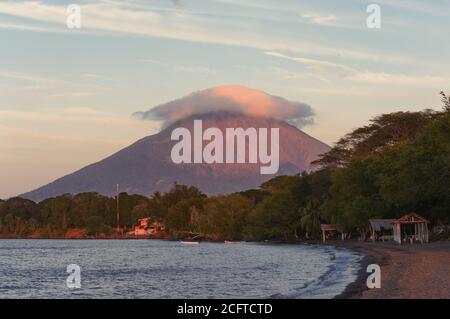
146, 165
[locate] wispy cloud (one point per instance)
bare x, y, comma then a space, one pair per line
70, 115
31, 28
53, 87
95, 76
71, 94
436, 8
323, 68
285, 74
83, 110
112, 17
182, 68
320, 19
329, 71
16, 75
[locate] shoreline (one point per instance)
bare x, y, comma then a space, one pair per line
418, 271
355, 289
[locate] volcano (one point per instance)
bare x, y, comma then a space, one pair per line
146, 166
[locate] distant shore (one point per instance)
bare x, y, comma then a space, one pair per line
419, 271
82, 234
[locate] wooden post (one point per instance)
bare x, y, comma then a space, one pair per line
398, 233
117, 204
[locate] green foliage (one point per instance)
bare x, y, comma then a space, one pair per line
225, 216
131, 208
180, 207
354, 196
275, 217
96, 226
383, 132
255, 195
416, 177
310, 218
15, 214
410, 176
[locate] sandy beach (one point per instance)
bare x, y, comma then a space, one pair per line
419, 271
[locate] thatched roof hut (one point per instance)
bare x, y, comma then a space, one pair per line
378, 225
415, 221
329, 228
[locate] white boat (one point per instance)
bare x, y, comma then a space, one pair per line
189, 242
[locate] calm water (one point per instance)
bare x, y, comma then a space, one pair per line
165, 269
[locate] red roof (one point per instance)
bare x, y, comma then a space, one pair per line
412, 218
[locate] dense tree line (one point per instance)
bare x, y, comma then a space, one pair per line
398, 164
53, 217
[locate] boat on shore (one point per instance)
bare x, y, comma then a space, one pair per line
189, 242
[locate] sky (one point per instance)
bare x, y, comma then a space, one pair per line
67, 95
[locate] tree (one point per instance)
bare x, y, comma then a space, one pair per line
410, 176
157, 205
416, 177
255, 195
383, 131
225, 216
355, 195
182, 215
276, 217
310, 219
95, 225
127, 204
445, 101
280, 182
57, 212
180, 202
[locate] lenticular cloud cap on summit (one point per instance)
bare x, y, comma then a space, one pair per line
233, 98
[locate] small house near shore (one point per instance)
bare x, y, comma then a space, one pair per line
329, 229
408, 228
148, 226
411, 227
381, 229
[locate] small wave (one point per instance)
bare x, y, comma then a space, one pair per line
341, 271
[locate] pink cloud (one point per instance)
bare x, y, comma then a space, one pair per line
231, 98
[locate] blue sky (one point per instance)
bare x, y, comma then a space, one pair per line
66, 95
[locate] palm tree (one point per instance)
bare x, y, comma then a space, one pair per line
310, 218
446, 101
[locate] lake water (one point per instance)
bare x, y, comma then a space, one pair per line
168, 269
